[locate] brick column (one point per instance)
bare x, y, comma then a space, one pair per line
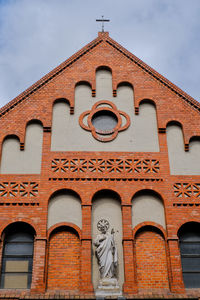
1, 252
38, 274
129, 268
86, 251
176, 284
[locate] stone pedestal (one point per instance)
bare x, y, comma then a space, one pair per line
108, 287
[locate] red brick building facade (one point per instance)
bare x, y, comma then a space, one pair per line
63, 168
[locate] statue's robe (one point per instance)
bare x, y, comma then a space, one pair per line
106, 253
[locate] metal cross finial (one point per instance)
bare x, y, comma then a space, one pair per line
102, 20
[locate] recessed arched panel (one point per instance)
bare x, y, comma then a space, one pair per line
106, 205
151, 262
63, 271
147, 206
181, 162
103, 83
14, 161
64, 206
60, 125
145, 128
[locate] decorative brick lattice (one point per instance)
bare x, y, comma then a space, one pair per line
114, 166
187, 190
18, 189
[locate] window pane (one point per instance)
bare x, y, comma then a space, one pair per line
20, 237
104, 120
18, 249
191, 280
191, 234
15, 281
17, 260
190, 264
190, 248
16, 266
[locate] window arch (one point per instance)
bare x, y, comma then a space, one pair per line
17, 258
189, 242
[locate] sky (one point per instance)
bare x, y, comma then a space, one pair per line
38, 35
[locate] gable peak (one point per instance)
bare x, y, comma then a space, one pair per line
103, 34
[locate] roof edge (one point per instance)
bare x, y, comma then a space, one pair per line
22, 96
101, 36
188, 99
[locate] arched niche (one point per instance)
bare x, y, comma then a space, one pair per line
125, 83
106, 204
147, 206
145, 128
60, 125
189, 244
64, 248
181, 162
125, 99
83, 97
15, 161
64, 206
151, 260
103, 82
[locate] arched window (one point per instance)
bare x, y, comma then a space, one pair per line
17, 259
189, 241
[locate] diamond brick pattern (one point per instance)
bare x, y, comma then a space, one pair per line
18, 189
146, 166
187, 190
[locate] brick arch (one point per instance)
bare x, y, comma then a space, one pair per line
64, 205
151, 259
83, 82
147, 100
30, 122
63, 224
65, 190
174, 122
157, 227
28, 222
63, 100
106, 68
148, 206
179, 141
192, 139
111, 192
185, 224
15, 136
124, 83
148, 190
64, 249
34, 121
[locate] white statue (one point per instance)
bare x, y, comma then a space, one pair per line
106, 250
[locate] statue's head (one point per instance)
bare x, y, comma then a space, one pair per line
103, 226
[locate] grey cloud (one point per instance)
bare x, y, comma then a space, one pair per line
37, 35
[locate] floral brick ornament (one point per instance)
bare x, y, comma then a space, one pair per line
104, 121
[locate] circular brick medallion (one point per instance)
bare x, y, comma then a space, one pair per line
104, 121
